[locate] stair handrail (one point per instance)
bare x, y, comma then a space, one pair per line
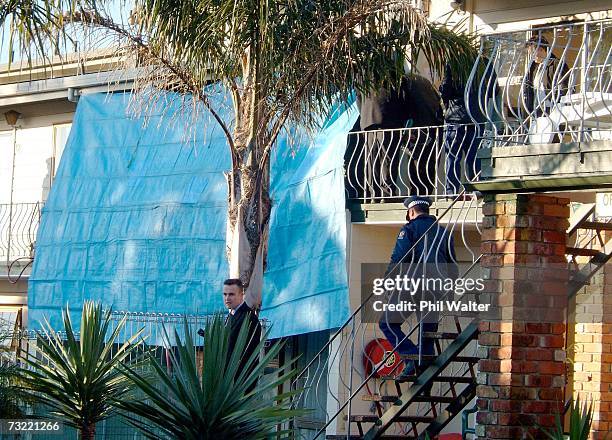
382, 362
358, 309
317, 357
582, 213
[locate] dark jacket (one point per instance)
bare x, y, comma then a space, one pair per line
440, 244
453, 96
242, 313
416, 100
554, 79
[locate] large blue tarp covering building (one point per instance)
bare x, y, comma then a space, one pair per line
136, 219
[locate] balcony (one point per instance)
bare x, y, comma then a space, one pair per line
548, 107
18, 225
383, 167
543, 99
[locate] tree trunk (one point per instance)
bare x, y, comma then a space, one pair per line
247, 237
249, 185
248, 210
88, 431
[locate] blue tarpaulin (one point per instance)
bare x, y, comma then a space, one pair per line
136, 218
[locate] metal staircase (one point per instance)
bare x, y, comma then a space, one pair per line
420, 406
436, 409
591, 250
450, 374
444, 405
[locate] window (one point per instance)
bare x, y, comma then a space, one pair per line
60, 137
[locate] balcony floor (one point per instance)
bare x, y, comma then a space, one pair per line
466, 212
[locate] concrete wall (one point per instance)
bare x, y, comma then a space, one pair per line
507, 15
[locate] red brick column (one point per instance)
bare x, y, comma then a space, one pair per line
592, 349
522, 371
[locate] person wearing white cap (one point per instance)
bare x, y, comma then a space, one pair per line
436, 248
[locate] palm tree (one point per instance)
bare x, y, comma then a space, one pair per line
284, 63
79, 377
186, 401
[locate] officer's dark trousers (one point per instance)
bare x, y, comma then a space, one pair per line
460, 144
390, 324
403, 345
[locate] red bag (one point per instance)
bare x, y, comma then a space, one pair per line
375, 351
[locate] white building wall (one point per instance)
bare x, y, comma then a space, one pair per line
29, 157
36, 151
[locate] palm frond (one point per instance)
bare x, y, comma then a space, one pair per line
78, 376
580, 420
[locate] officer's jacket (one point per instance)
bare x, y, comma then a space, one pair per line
438, 244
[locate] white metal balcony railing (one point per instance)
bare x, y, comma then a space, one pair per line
565, 95
392, 164
18, 226
552, 84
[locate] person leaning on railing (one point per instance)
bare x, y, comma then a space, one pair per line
463, 120
546, 80
415, 103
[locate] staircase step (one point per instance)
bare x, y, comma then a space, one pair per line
583, 252
391, 399
434, 399
358, 437
378, 398
371, 418
445, 379
440, 335
599, 226
421, 384
580, 216
415, 357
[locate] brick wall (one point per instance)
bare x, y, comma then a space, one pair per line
522, 371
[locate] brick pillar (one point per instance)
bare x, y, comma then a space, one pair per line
522, 371
592, 349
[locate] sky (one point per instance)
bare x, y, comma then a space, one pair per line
119, 11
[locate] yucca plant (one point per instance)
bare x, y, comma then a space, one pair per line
78, 377
211, 402
10, 398
581, 417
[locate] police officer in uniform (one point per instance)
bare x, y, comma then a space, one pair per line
433, 253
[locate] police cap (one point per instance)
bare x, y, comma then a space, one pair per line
411, 202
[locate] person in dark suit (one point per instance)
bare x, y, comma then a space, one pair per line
239, 312
434, 255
